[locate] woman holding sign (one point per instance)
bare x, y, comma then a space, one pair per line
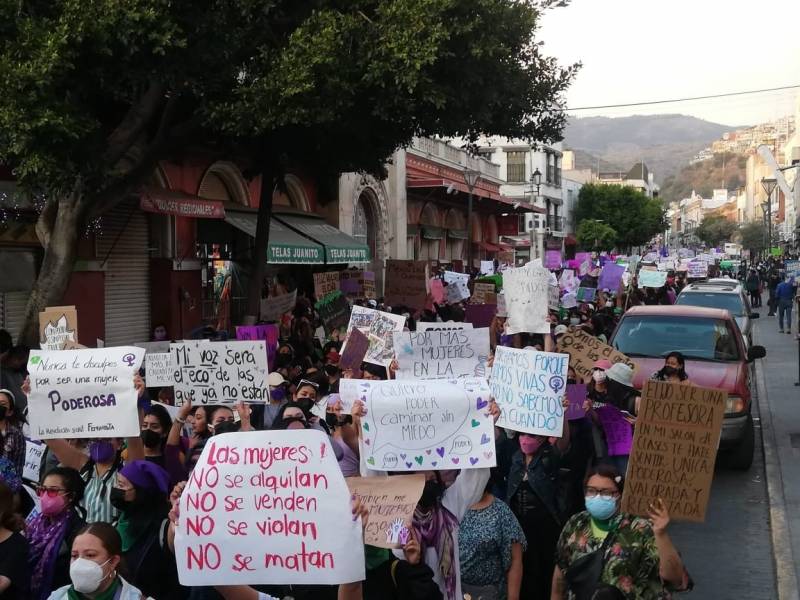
603, 546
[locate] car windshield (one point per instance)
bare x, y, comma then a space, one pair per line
696, 338
730, 302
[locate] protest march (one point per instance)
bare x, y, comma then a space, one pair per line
449, 440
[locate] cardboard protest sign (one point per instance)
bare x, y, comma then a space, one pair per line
358, 283
478, 315
425, 326
83, 393
353, 354
617, 430
158, 369
220, 372
274, 307
325, 283
652, 279
483, 292
552, 259
378, 326
576, 395
610, 277
334, 311
674, 449
57, 326
697, 269
457, 288
268, 507
34, 451
526, 292
414, 425
368, 285
269, 333
585, 294
528, 386
406, 283
442, 354
584, 350
391, 502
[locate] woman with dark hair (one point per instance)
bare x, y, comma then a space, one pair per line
51, 530
94, 570
200, 433
292, 415
12, 441
635, 555
674, 369
156, 426
14, 574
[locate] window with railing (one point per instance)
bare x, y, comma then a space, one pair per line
557, 174
515, 170
550, 171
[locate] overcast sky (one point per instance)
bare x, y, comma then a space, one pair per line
642, 50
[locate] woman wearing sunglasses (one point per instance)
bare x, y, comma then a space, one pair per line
51, 530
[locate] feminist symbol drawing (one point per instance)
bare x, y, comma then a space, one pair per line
556, 383
128, 359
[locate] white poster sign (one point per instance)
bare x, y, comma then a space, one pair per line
414, 425
487, 267
652, 279
220, 372
158, 369
697, 269
424, 326
378, 326
84, 393
153, 346
274, 307
268, 507
443, 354
34, 451
529, 386
457, 286
526, 291
553, 297
568, 282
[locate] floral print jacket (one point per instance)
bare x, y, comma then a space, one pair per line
631, 561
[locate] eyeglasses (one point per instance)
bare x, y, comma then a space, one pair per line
603, 493
52, 492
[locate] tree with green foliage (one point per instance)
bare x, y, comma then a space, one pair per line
754, 236
97, 92
714, 230
595, 235
630, 212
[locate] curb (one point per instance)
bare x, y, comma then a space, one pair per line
779, 526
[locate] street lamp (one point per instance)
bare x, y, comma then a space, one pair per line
535, 182
769, 184
471, 177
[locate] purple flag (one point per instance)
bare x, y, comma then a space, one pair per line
610, 277
619, 433
576, 394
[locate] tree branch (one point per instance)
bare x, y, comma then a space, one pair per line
134, 122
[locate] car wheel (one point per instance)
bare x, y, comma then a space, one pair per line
741, 457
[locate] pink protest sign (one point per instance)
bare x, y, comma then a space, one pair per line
576, 394
268, 333
437, 291
552, 259
619, 433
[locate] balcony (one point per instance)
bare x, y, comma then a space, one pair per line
555, 223
438, 149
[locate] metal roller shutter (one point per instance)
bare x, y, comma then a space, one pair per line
124, 249
12, 309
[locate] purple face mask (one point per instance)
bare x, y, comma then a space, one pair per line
278, 393
101, 451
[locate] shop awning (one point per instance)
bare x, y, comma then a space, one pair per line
489, 247
339, 247
180, 204
431, 232
457, 234
286, 246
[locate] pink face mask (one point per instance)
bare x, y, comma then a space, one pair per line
529, 445
53, 505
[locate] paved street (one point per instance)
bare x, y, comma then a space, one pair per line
730, 555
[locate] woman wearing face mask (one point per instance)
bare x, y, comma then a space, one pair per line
278, 396
14, 572
156, 425
674, 369
94, 571
141, 495
50, 531
533, 495
636, 555
291, 416
12, 441
200, 433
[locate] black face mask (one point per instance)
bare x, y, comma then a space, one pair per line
431, 493
117, 499
3, 411
331, 370
226, 427
305, 403
283, 360
150, 438
670, 371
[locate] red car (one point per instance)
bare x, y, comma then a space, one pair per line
716, 356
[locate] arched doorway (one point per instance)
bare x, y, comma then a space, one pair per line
431, 233
456, 225
365, 222
295, 195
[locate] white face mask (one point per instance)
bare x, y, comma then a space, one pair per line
599, 376
86, 575
574, 321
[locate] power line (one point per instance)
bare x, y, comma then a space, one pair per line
786, 87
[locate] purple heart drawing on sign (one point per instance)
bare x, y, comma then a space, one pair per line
433, 462
481, 403
485, 439
440, 451
455, 461
403, 456
428, 452
488, 455
472, 460
366, 441
363, 398
408, 465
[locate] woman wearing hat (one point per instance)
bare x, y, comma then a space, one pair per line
619, 402
12, 442
141, 495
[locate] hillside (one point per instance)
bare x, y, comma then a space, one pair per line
705, 176
665, 142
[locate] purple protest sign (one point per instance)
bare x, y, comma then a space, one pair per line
480, 315
619, 433
268, 333
576, 394
610, 277
354, 352
552, 259
582, 257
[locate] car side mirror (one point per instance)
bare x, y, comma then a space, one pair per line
755, 315
755, 352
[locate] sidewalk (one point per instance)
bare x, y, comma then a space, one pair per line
780, 419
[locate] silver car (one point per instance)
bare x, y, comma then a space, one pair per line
722, 293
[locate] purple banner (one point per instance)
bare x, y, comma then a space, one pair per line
480, 315
552, 259
610, 277
576, 394
268, 333
619, 433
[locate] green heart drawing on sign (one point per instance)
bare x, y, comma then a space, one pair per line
366, 426
475, 423
35, 360
418, 459
371, 460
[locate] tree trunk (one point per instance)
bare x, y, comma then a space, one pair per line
261, 246
60, 251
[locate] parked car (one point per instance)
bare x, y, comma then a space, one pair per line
728, 294
716, 356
